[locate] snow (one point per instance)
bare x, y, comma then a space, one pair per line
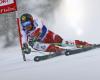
83, 66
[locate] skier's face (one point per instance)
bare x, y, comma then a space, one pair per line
27, 25
28, 28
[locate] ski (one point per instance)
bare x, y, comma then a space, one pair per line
48, 56
80, 50
67, 53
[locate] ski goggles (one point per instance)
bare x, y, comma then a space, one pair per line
25, 24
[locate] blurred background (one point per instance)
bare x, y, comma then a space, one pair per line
72, 19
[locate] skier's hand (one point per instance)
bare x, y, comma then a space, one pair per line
26, 49
31, 42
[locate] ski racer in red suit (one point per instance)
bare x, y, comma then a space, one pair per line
35, 34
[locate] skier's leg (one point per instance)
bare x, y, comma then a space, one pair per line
82, 44
78, 43
46, 47
53, 48
57, 39
52, 38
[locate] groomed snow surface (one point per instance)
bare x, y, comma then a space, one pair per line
84, 66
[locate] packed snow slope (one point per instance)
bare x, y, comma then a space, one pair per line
83, 66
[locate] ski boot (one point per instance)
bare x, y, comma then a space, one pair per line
82, 44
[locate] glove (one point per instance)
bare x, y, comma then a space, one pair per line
26, 49
31, 42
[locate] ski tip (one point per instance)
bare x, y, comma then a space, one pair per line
37, 59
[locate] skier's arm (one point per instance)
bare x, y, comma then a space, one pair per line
25, 48
24, 37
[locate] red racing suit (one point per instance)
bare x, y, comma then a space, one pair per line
44, 38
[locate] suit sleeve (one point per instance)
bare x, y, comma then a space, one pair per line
24, 37
38, 23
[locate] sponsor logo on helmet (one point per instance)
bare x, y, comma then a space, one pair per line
23, 18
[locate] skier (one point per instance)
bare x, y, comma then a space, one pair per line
35, 34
